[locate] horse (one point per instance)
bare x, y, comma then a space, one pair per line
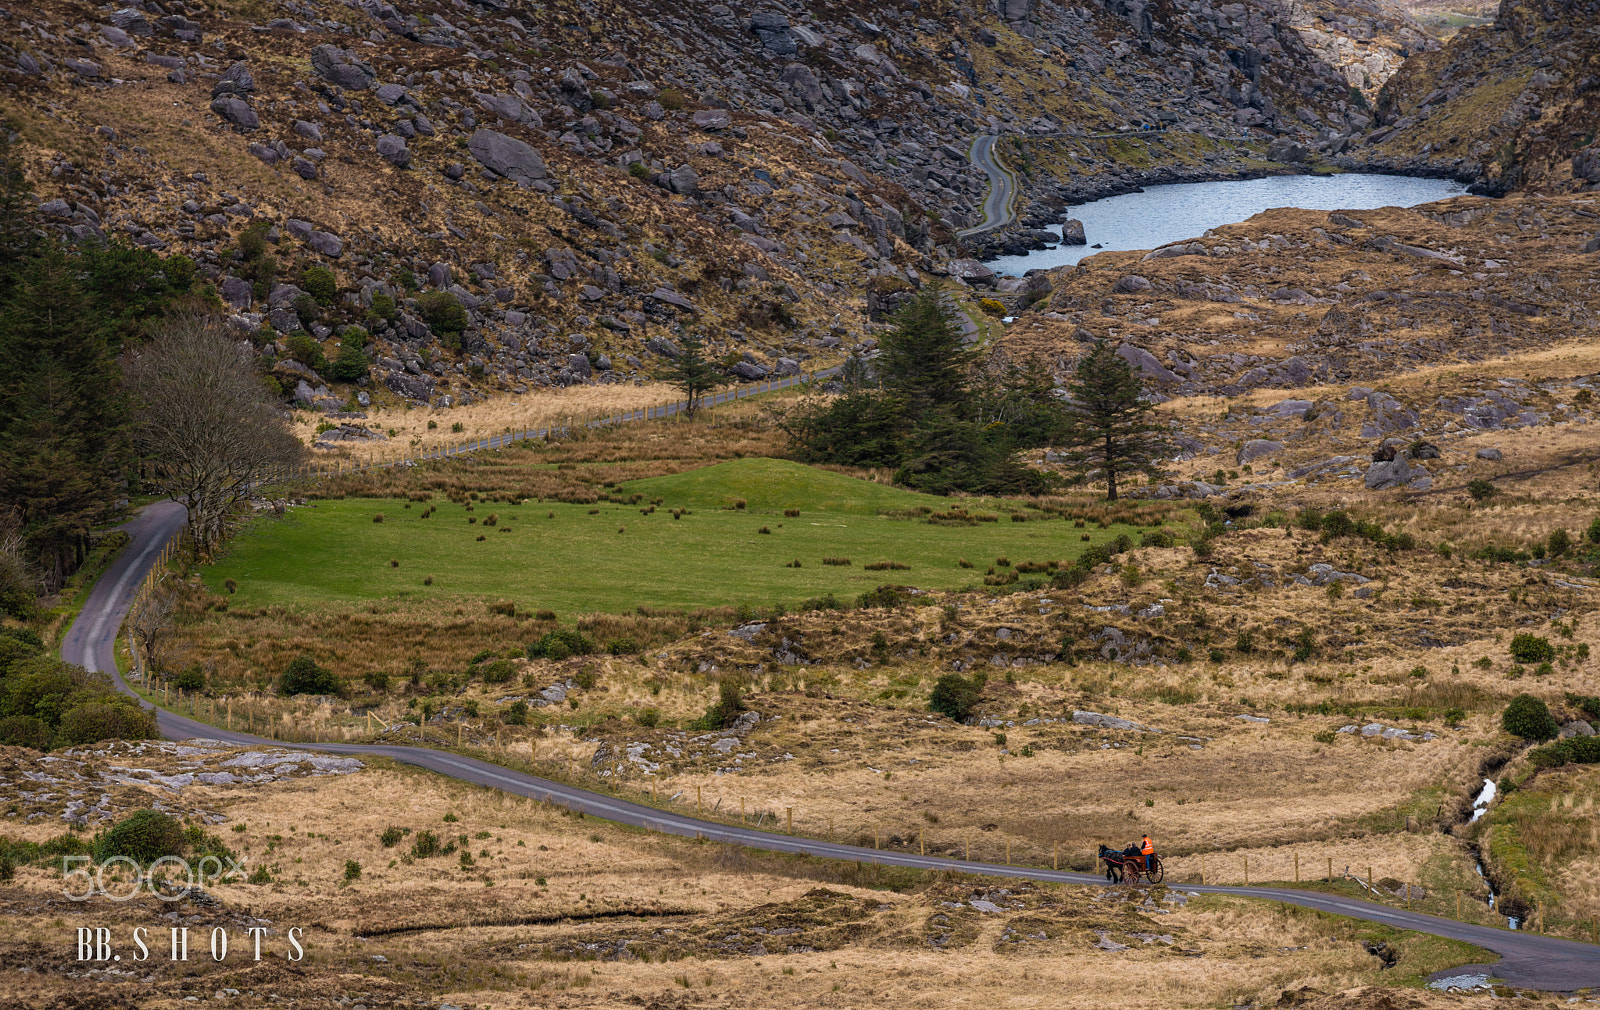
1116, 862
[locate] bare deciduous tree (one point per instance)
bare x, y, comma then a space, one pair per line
151, 621
211, 433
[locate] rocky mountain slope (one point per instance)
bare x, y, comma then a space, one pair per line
1515, 102
590, 180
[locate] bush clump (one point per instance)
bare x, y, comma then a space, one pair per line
143, 836
105, 719
304, 676
1529, 718
956, 696
725, 710
561, 643
391, 836
1577, 750
1527, 647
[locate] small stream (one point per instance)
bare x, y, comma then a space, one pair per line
1480, 806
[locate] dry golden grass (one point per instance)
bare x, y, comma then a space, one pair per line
545, 408
493, 934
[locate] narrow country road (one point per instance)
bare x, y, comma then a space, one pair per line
1528, 959
1002, 187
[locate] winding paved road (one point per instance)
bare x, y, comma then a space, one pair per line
1002, 186
1527, 959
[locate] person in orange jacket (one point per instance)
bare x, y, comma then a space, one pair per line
1147, 850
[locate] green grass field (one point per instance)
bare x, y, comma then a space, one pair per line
578, 563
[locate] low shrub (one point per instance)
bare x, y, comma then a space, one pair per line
561, 643
391, 837
498, 672
143, 836
791, 513
1527, 647
304, 676
956, 696
190, 678
516, 714
725, 710
25, 731
352, 870
111, 719
887, 597
1577, 750
840, 562
886, 566
1529, 718
649, 718
623, 646
425, 845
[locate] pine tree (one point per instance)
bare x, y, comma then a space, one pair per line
1109, 427
18, 227
692, 373
63, 415
924, 361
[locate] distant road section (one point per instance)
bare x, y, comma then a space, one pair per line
1002, 187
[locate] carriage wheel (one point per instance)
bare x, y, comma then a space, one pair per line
1158, 872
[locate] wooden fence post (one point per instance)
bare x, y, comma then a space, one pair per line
1247, 871
1297, 867
790, 812
1330, 869
1055, 858
697, 805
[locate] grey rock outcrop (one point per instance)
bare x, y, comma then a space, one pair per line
336, 66
507, 156
236, 111
1257, 448
1397, 472
772, 29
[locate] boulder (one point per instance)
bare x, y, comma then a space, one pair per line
236, 111
393, 149
1286, 150
803, 80
663, 347
1586, 164
973, 272
575, 92
236, 292
1396, 472
326, 243
1072, 232
1143, 361
236, 80
1577, 727
507, 156
750, 371
774, 33
336, 66
579, 365
1490, 454
413, 387
712, 119
1257, 448
683, 180
1131, 284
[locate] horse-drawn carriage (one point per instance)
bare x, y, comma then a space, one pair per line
1127, 866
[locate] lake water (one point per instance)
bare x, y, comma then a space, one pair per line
1163, 214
